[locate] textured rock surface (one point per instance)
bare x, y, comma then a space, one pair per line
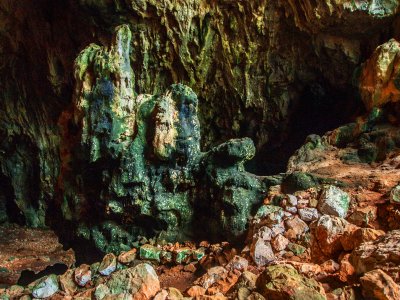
129, 158
258, 68
378, 285
334, 201
140, 281
284, 282
380, 81
383, 253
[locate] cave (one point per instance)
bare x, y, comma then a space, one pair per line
200, 149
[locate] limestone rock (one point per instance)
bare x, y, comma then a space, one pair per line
183, 255
16, 254
141, 281
45, 287
196, 290
334, 201
108, 264
67, 282
352, 239
377, 285
169, 294
83, 275
128, 256
237, 263
284, 282
212, 276
248, 280
261, 252
150, 252
279, 243
308, 214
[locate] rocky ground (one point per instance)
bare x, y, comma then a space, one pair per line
315, 237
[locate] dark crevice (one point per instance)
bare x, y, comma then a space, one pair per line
28, 276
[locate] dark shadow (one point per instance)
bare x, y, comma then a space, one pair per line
320, 108
28, 276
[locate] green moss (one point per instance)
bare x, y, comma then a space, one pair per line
138, 165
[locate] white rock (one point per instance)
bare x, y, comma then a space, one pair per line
292, 200
334, 201
308, 214
261, 252
45, 287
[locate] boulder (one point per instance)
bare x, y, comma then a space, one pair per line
352, 239
395, 195
149, 252
377, 285
297, 225
108, 264
141, 281
284, 282
326, 236
334, 201
67, 282
83, 274
279, 243
261, 252
128, 256
212, 276
308, 214
45, 287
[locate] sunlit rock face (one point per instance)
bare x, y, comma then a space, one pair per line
380, 76
132, 163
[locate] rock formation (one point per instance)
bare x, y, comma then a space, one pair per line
130, 128
132, 165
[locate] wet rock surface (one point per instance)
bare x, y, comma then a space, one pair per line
130, 177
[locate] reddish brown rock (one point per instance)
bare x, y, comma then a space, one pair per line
212, 276
297, 225
195, 291
352, 239
346, 269
279, 243
377, 285
383, 253
326, 235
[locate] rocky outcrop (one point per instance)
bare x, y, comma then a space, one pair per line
259, 70
379, 80
128, 158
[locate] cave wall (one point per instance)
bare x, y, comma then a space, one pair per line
261, 69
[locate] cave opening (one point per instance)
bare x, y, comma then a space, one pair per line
319, 109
